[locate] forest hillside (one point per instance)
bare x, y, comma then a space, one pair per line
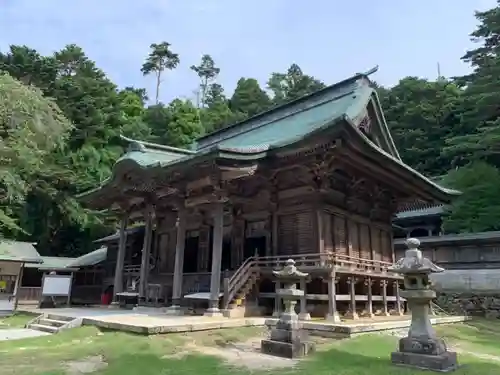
61, 119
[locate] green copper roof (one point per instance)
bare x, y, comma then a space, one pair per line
51, 263
148, 154
17, 251
89, 259
336, 108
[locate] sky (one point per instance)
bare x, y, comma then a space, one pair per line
329, 39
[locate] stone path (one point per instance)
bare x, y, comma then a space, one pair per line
19, 333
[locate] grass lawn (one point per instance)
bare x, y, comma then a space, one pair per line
16, 321
88, 350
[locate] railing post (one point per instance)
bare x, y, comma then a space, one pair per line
225, 298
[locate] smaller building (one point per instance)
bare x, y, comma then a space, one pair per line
88, 277
14, 255
424, 221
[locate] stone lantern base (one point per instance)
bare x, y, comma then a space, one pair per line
429, 354
288, 340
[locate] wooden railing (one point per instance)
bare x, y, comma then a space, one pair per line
234, 284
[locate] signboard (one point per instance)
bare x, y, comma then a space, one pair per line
57, 285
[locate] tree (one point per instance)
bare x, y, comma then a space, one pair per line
160, 58
31, 127
207, 71
479, 136
177, 124
478, 208
217, 114
421, 114
292, 85
248, 98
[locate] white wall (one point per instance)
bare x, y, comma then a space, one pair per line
467, 280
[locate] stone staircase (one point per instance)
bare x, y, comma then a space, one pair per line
52, 323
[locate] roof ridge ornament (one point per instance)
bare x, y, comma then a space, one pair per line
370, 71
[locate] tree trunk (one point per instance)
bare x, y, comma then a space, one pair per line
158, 81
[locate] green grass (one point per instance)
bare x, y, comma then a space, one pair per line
18, 320
128, 354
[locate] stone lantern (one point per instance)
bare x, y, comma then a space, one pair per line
287, 337
421, 348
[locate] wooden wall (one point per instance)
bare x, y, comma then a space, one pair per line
357, 237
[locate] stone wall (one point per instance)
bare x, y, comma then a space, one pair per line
475, 292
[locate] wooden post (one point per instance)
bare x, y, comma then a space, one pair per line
383, 284
399, 310
146, 252
351, 281
175, 308
369, 302
213, 309
277, 300
333, 314
18, 285
120, 259
304, 314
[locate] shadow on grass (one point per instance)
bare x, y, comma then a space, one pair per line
339, 362
477, 331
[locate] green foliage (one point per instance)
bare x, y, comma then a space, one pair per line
478, 208
292, 85
421, 115
248, 98
52, 149
160, 58
31, 128
177, 124
208, 72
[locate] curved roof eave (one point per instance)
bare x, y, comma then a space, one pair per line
400, 163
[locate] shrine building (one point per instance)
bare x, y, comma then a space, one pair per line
317, 180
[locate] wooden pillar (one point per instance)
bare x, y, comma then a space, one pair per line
369, 302
352, 314
18, 284
333, 314
146, 253
304, 314
274, 232
175, 308
399, 310
383, 284
213, 306
120, 258
277, 300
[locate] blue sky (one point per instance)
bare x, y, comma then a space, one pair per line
330, 39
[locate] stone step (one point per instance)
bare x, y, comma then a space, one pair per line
61, 318
44, 328
52, 322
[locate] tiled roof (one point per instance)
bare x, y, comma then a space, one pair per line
336, 107
427, 211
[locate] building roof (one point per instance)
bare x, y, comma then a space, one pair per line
89, 259
18, 251
461, 237
116, 236
421, 212
51, 263
338, 108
